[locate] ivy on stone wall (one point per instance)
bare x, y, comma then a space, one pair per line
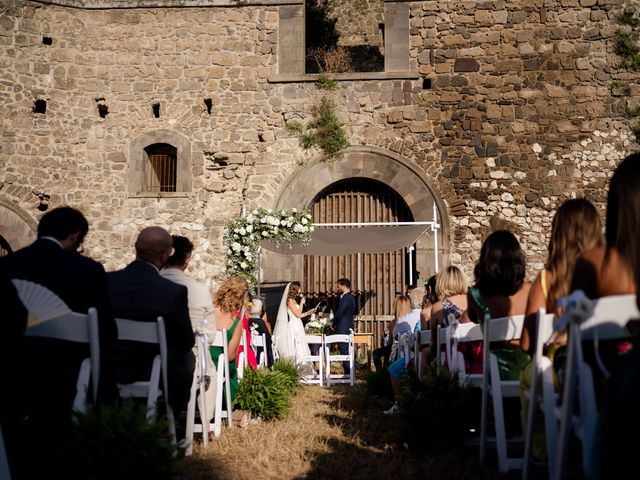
629, 52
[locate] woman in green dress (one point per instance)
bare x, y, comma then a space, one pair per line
228, 301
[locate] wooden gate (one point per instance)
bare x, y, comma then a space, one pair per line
376, 279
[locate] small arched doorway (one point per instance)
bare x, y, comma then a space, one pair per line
376, 278
17, 228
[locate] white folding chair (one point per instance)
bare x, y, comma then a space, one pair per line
259, 341
198, 389
498, 330
608, 321
242, 356
316, 377
455, 335
330, 340
152, 333
541, 377
81, 328
223, 385
422, 339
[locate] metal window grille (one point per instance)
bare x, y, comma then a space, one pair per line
162, 173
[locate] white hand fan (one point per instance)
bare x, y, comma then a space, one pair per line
41, 302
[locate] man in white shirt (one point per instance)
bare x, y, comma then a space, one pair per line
199, 297
200, 311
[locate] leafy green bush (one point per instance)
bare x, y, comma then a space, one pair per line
326, 131
627, 48
291, 371
436, 412
378, 383
117, 442
264, 393
326, 83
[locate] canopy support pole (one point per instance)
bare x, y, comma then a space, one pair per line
434, 228
259, 253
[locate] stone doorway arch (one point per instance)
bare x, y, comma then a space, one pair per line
395, 171
17, 228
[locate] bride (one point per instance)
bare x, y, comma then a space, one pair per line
289, 324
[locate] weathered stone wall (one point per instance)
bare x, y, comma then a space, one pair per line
357, 21
518, 115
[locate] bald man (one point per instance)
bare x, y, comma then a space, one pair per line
138, 292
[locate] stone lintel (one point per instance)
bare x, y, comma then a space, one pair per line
128, 4
351, 76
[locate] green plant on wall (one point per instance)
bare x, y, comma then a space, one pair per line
325, 130
629, 52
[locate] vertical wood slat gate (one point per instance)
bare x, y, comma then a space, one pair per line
380, 276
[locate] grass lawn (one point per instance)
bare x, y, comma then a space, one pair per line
338, 432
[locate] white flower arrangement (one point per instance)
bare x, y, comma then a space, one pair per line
242, 234
577, 308
318, 325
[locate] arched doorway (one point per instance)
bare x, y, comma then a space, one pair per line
376, 278
17, 229
409, 182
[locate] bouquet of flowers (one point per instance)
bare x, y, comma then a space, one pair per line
318, 325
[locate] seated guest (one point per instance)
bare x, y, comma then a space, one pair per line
229, 300
608, 269
409, 323
138, 292
200, 309
259, 327
381, 356
500, 291
52, 366
199, 297
451, 290
576, 227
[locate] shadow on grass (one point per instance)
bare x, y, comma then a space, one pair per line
373, 446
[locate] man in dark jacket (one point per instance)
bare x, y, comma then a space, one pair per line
343, 318
138, 292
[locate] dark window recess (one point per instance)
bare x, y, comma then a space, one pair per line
208, 103
381, 28
47, 40
40, 106
156, 110
161, 169
426, 84
103, 111
261, 137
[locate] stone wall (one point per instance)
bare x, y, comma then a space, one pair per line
511, 113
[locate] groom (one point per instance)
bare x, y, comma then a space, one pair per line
343, 318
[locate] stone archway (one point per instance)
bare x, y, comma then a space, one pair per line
379, 164
16, 227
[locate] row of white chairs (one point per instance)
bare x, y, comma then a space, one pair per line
325, 357
610, 315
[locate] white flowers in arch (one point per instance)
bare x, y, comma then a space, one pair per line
243, 234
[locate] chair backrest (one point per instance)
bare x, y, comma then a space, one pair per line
220, 340
74, 327
314, 339
609, 318
455, 334
544, 332
607, 322
500, 329
146, 332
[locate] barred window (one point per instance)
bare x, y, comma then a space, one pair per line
161, 168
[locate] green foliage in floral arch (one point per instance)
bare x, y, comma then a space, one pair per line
243, 234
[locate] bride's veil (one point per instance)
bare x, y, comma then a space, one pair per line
282, 319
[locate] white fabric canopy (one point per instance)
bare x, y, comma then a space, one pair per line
351, 240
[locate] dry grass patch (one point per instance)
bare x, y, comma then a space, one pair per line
336, 432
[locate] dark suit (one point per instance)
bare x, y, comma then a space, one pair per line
343, 321
138, 292
46, 370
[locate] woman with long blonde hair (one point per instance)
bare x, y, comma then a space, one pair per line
575, 229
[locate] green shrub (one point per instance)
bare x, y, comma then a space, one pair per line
378, 383
326, 83
117, 442
628, 18
436, 412
326, 131
294, 126
264, 393
291, 371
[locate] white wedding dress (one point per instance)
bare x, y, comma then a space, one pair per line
288, 327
